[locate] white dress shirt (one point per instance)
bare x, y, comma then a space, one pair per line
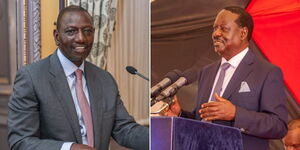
234, 63
69, 69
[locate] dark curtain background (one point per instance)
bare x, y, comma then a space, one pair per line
181, 39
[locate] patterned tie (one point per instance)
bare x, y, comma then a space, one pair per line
84, 108
219, 84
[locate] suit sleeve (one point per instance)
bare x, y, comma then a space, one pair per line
270, 121
126, 131
23, 117
187, 114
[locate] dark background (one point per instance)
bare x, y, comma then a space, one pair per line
181, 39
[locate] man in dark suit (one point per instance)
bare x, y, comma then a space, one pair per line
240, 90
64, 102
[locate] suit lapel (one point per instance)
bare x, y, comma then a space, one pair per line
240, 74
210, 79
96, 100
60, 85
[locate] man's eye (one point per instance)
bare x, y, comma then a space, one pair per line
225, 29
88, 30
70, 32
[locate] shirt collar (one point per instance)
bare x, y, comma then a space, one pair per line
68, 66
235, 60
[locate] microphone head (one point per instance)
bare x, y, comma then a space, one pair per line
190, 75
131, 69
174, 75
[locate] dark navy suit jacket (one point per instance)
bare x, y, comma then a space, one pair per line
261, 113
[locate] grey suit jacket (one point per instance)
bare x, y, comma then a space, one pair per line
42, 114
261, 113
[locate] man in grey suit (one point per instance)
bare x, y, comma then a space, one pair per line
46, 111
240, 90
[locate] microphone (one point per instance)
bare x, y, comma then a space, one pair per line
170, 77
188, 77
133, 71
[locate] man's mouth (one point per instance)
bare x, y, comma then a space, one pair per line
217, 42
79, 49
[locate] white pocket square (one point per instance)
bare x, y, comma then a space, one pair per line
244, 87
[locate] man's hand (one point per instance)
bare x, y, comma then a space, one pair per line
174, 109
81, 147
221, 109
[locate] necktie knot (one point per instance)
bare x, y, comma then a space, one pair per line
225, 66
78, 74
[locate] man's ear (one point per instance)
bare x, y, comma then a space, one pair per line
244, 33
56, 37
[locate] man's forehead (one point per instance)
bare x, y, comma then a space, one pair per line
72, 15
225, 15
76, 19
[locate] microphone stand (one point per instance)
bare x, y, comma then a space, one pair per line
142, 76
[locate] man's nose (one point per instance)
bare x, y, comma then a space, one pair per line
80, 37
217, 33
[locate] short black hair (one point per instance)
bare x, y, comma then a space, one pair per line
70, 8
244, 19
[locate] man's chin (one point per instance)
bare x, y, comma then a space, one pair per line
219, 50
78, 59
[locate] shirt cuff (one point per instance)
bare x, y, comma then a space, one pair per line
66, 146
